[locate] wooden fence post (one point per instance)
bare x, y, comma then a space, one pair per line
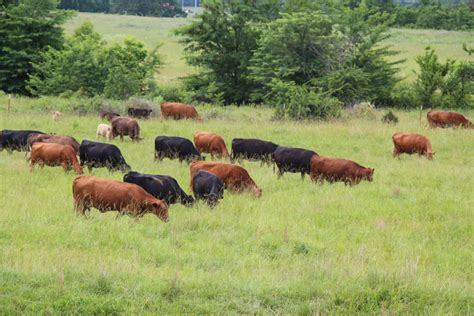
9, 103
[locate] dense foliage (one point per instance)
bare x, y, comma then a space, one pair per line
435, 17
247, 55
26, 30
449, 84
165, 8
86, 66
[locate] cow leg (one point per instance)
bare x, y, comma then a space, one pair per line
32, 165
65, 166
89, 168
79, 207
121, 137
302, 175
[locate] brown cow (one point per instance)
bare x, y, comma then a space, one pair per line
235, 178
57, 139
108, 115
126, 126
447, 119
331, 169
54, 155
411, 143
211, 143
107, 195
179, 111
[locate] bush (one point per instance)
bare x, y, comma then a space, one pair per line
172, 93
404, 96
85, 66
298, 102
390, 118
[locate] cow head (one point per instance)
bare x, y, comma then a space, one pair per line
370, 174
257, 190
125, 167
160, 209
430, 155
187, 200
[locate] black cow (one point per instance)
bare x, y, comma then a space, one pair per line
207, 186
162, 187
252, 149
176, 147
15, 140
97, 155
139, 113
292, 160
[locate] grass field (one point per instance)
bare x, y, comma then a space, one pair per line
153, 31
400, 244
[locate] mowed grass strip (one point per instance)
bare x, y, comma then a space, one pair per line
403, 243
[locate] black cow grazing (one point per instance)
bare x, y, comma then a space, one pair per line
176, 147
98, 155
139, 113
15, 140
252, 149
292, 160
162, 187
207, 186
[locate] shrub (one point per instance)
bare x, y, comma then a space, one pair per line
390, 118
404, 96
299, 102
172, 93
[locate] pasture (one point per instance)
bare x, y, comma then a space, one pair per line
400, 244
409, 42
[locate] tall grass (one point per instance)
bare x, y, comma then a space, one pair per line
400, 244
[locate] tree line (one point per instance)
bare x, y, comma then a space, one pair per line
164, 8
306, 59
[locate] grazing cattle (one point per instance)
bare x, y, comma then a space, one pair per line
447, 119
179, 111
252, 149
126, 126
162, 187
176, 147
211, 143
52, 154
98, 155
234, 177
411, 143
104, 130
332, 170
109, 195
207, 186
108, 115
15, 140
55, 139
139, 113
292, 160
56, 115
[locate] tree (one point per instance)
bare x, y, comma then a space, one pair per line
221, 42
27, 30
87, 66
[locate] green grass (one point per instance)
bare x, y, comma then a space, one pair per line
153, 31
402, 243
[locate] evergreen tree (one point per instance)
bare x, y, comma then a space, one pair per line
26, 30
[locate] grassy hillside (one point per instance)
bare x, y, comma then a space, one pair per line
400, 244
153, 31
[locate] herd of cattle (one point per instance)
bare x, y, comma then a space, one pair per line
140, 193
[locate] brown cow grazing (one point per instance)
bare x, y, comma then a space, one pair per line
211, 143
109, 195
411, 143
447, 119
54, 155
56, 115
179, 111
108, 115
56, 139
332, 170
235, 178
126, 126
